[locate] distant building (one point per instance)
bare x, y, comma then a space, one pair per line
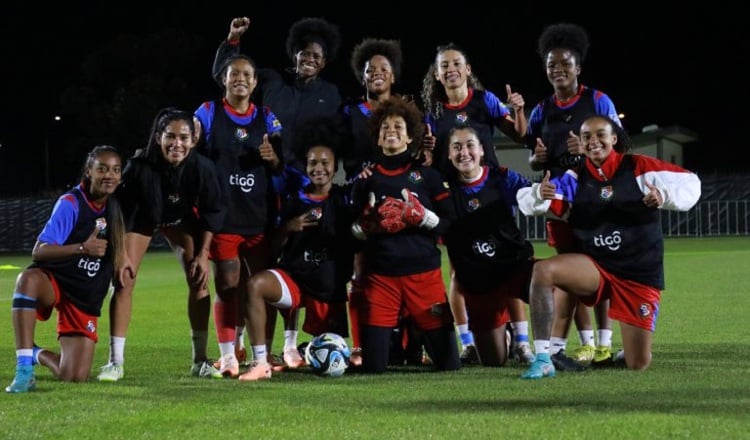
663, 143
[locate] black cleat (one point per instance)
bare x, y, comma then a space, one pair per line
564, 363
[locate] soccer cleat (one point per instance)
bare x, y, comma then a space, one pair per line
523, 354
564, 363
239, 353
613, 361
470, 355
205, 369
23, 382
584, 354
426, 359
292, 359
602, 353
111, 373
276, 362
355, 359
539, 368
257, 371
229, 366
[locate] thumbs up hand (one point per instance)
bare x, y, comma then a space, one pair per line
574, 143
515, 100
547, 188
267, 152
94, 246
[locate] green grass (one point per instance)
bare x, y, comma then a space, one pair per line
698, 385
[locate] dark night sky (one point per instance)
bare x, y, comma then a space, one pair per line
681, 67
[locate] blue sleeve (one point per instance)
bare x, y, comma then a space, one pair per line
291, 179
205, 114
605, 106
534, 129
273, 125
495, 107
567, 185
430, 120
513, 182
60, 223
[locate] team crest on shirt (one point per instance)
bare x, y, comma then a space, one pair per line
174, 198
474, 204
91, 327
415, 177
644, 310
315, 214
240, 133
462, 117
606, 192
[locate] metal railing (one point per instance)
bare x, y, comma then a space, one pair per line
21, 220
708, 218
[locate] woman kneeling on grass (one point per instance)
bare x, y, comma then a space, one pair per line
74, 259
616, 220
315, 248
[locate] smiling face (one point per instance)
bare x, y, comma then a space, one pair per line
451, 69
562, 69
240, 79
466, 152
310, 61
393, 137
321, 166
176, 141
105, 173
378, 75
598, 139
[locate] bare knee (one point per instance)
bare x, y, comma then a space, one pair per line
32, 282
639, 362
74, 375
543, 273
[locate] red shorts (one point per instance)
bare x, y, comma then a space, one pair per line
630, 302
229, 246
421, 295
71, 321
489, 311
560, 236
320, 317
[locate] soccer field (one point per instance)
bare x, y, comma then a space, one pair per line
698, 385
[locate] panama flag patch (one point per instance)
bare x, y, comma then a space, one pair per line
606, 192
240, 133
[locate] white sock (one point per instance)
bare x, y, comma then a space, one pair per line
117, 350
520, 331
557, 344
541, 346
226, 347
587, 337
260, 355
290, 339
605, 337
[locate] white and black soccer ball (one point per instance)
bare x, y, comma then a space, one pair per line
328, 354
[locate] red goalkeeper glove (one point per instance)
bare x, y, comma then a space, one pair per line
390, 215
415, 214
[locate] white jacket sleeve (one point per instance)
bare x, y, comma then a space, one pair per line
680, 189
530, 201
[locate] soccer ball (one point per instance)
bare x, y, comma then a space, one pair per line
328, 354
